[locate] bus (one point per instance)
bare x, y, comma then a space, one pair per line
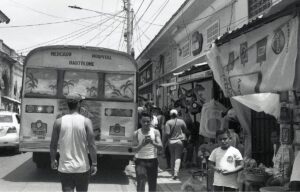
108, 81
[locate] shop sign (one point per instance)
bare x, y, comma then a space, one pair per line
197, 42
199, 75
184, 78
262, 60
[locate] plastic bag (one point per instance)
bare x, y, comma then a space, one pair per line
194, 183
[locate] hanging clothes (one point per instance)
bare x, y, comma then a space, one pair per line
211, 118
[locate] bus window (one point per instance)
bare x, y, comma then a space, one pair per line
85, 83
119, 87
40, 83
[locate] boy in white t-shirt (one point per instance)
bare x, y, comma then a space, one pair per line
226, 161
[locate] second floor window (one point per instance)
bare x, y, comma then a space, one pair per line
212, 32
256, 7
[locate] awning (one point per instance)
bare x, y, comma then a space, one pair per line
168, 84
11, 99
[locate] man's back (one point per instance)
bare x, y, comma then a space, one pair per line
176, 128
73, 144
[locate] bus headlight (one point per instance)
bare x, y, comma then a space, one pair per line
39, 109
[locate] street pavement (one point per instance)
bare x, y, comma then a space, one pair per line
18, 173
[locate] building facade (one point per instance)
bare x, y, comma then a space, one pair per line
173, 67
11, 73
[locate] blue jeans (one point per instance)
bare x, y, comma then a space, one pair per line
146, 169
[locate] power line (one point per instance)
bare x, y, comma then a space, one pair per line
159, 12
67, 36
108, 34
43, 13
138, 9
143, 13
49, 23
160, 25
100, 33
138, 31
62, 38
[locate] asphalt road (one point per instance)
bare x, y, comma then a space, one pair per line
19, 173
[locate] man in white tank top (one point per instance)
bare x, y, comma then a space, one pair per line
74, 134
148, 141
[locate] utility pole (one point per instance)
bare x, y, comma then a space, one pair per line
129, 33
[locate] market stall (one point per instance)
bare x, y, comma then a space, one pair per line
257, 66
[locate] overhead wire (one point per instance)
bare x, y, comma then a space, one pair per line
143, 13
138, 9
49, 23
67, 36
138, 33
101, 31
157, 14
41, 12
208, 16
108, 34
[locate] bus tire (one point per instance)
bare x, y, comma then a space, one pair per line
41, 160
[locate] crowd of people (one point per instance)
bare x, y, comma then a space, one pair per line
179, 142
160, 132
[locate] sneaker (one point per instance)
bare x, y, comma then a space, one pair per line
175, 177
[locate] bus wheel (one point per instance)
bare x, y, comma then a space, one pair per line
41, 160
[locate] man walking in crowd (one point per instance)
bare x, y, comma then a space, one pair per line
74, 134
226, 161
175, 131
148, 142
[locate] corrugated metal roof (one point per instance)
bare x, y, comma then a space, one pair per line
256, 23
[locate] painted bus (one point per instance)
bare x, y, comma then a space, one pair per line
108, 81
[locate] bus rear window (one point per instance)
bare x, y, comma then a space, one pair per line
119, 87
85, 83
41, 82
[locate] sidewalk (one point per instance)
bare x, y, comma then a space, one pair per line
165, 181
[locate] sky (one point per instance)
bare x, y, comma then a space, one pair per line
35, 23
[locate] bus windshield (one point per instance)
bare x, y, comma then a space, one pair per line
92, 85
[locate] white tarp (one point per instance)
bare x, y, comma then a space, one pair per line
262, 60
266, 102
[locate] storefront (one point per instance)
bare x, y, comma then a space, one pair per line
10, 104
145, 84
257, 66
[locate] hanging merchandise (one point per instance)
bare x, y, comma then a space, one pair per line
259, 61
211, 118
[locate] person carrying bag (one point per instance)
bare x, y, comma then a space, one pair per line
175, 134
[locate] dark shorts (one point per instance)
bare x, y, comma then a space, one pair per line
71, 181
222, 189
